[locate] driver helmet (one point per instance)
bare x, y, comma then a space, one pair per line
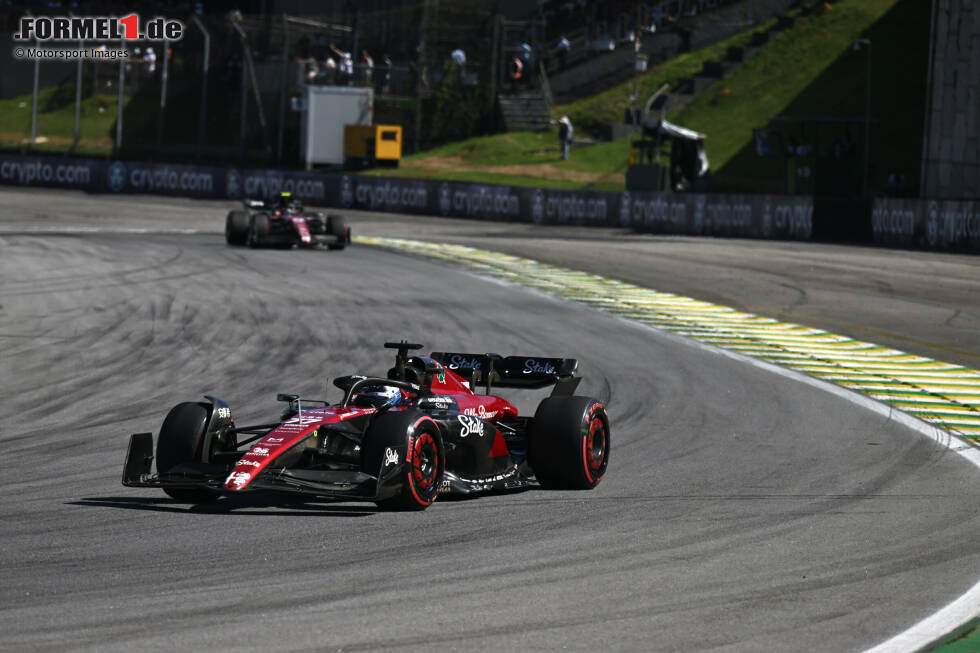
378, 396
285, 200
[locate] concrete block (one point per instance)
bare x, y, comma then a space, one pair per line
959, 137
955, 185
948, 106
962, 84
938, 81
945, 149
943, 177
972, 110
971, 185
971, 151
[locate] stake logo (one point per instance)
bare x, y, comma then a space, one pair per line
98, 28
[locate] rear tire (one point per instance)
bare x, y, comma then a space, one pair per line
180, 441
258, 230
569, 447
337, 226
418, 443
236, 228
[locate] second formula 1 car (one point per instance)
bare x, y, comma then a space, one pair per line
283, 222
400, 440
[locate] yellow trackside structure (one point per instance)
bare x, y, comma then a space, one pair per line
372, 145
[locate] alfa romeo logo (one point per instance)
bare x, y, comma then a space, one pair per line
537, 207
346, 192
624, 209
117, 176
233, 185
445, 199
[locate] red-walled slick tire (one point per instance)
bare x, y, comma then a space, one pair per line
569, 446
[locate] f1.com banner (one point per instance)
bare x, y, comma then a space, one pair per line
752, 216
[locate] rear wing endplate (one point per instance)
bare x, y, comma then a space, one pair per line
512, 371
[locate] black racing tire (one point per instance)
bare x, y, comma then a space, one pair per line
569, 444
416, 438
180, 441
236, 228
258, 230
337, 226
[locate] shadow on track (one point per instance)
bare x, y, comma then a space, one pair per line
272, 506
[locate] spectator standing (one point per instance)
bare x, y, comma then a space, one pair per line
565, 131
312, 70
328, 74
386, 81
515, 69
368, 67
563, 47
150, 59
525, 52
345, 69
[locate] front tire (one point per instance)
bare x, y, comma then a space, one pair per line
236, 228
569, 447
258, 230
337, 227
180, 441
416, 439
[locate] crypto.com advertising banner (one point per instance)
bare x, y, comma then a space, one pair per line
751, 216
930, 224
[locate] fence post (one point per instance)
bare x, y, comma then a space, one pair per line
78, 99
241, 129
202, 124
37, 76
284, 72
164, 74
119, 105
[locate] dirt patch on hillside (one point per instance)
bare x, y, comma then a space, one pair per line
540, 170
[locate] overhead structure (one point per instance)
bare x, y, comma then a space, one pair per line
667, 157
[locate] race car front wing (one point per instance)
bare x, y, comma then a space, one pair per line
340, 484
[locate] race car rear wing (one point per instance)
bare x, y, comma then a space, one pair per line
512, 371
260, 204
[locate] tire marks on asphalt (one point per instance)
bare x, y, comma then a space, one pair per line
943, 394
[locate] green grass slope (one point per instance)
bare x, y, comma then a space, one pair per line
809, 69
813, 71
56, 121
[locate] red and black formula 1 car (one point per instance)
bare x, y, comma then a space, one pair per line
398, 441
282, 222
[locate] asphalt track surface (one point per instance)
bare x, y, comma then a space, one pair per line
741, 511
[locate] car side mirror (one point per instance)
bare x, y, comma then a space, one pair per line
430, 370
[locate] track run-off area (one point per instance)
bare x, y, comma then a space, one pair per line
793, 425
